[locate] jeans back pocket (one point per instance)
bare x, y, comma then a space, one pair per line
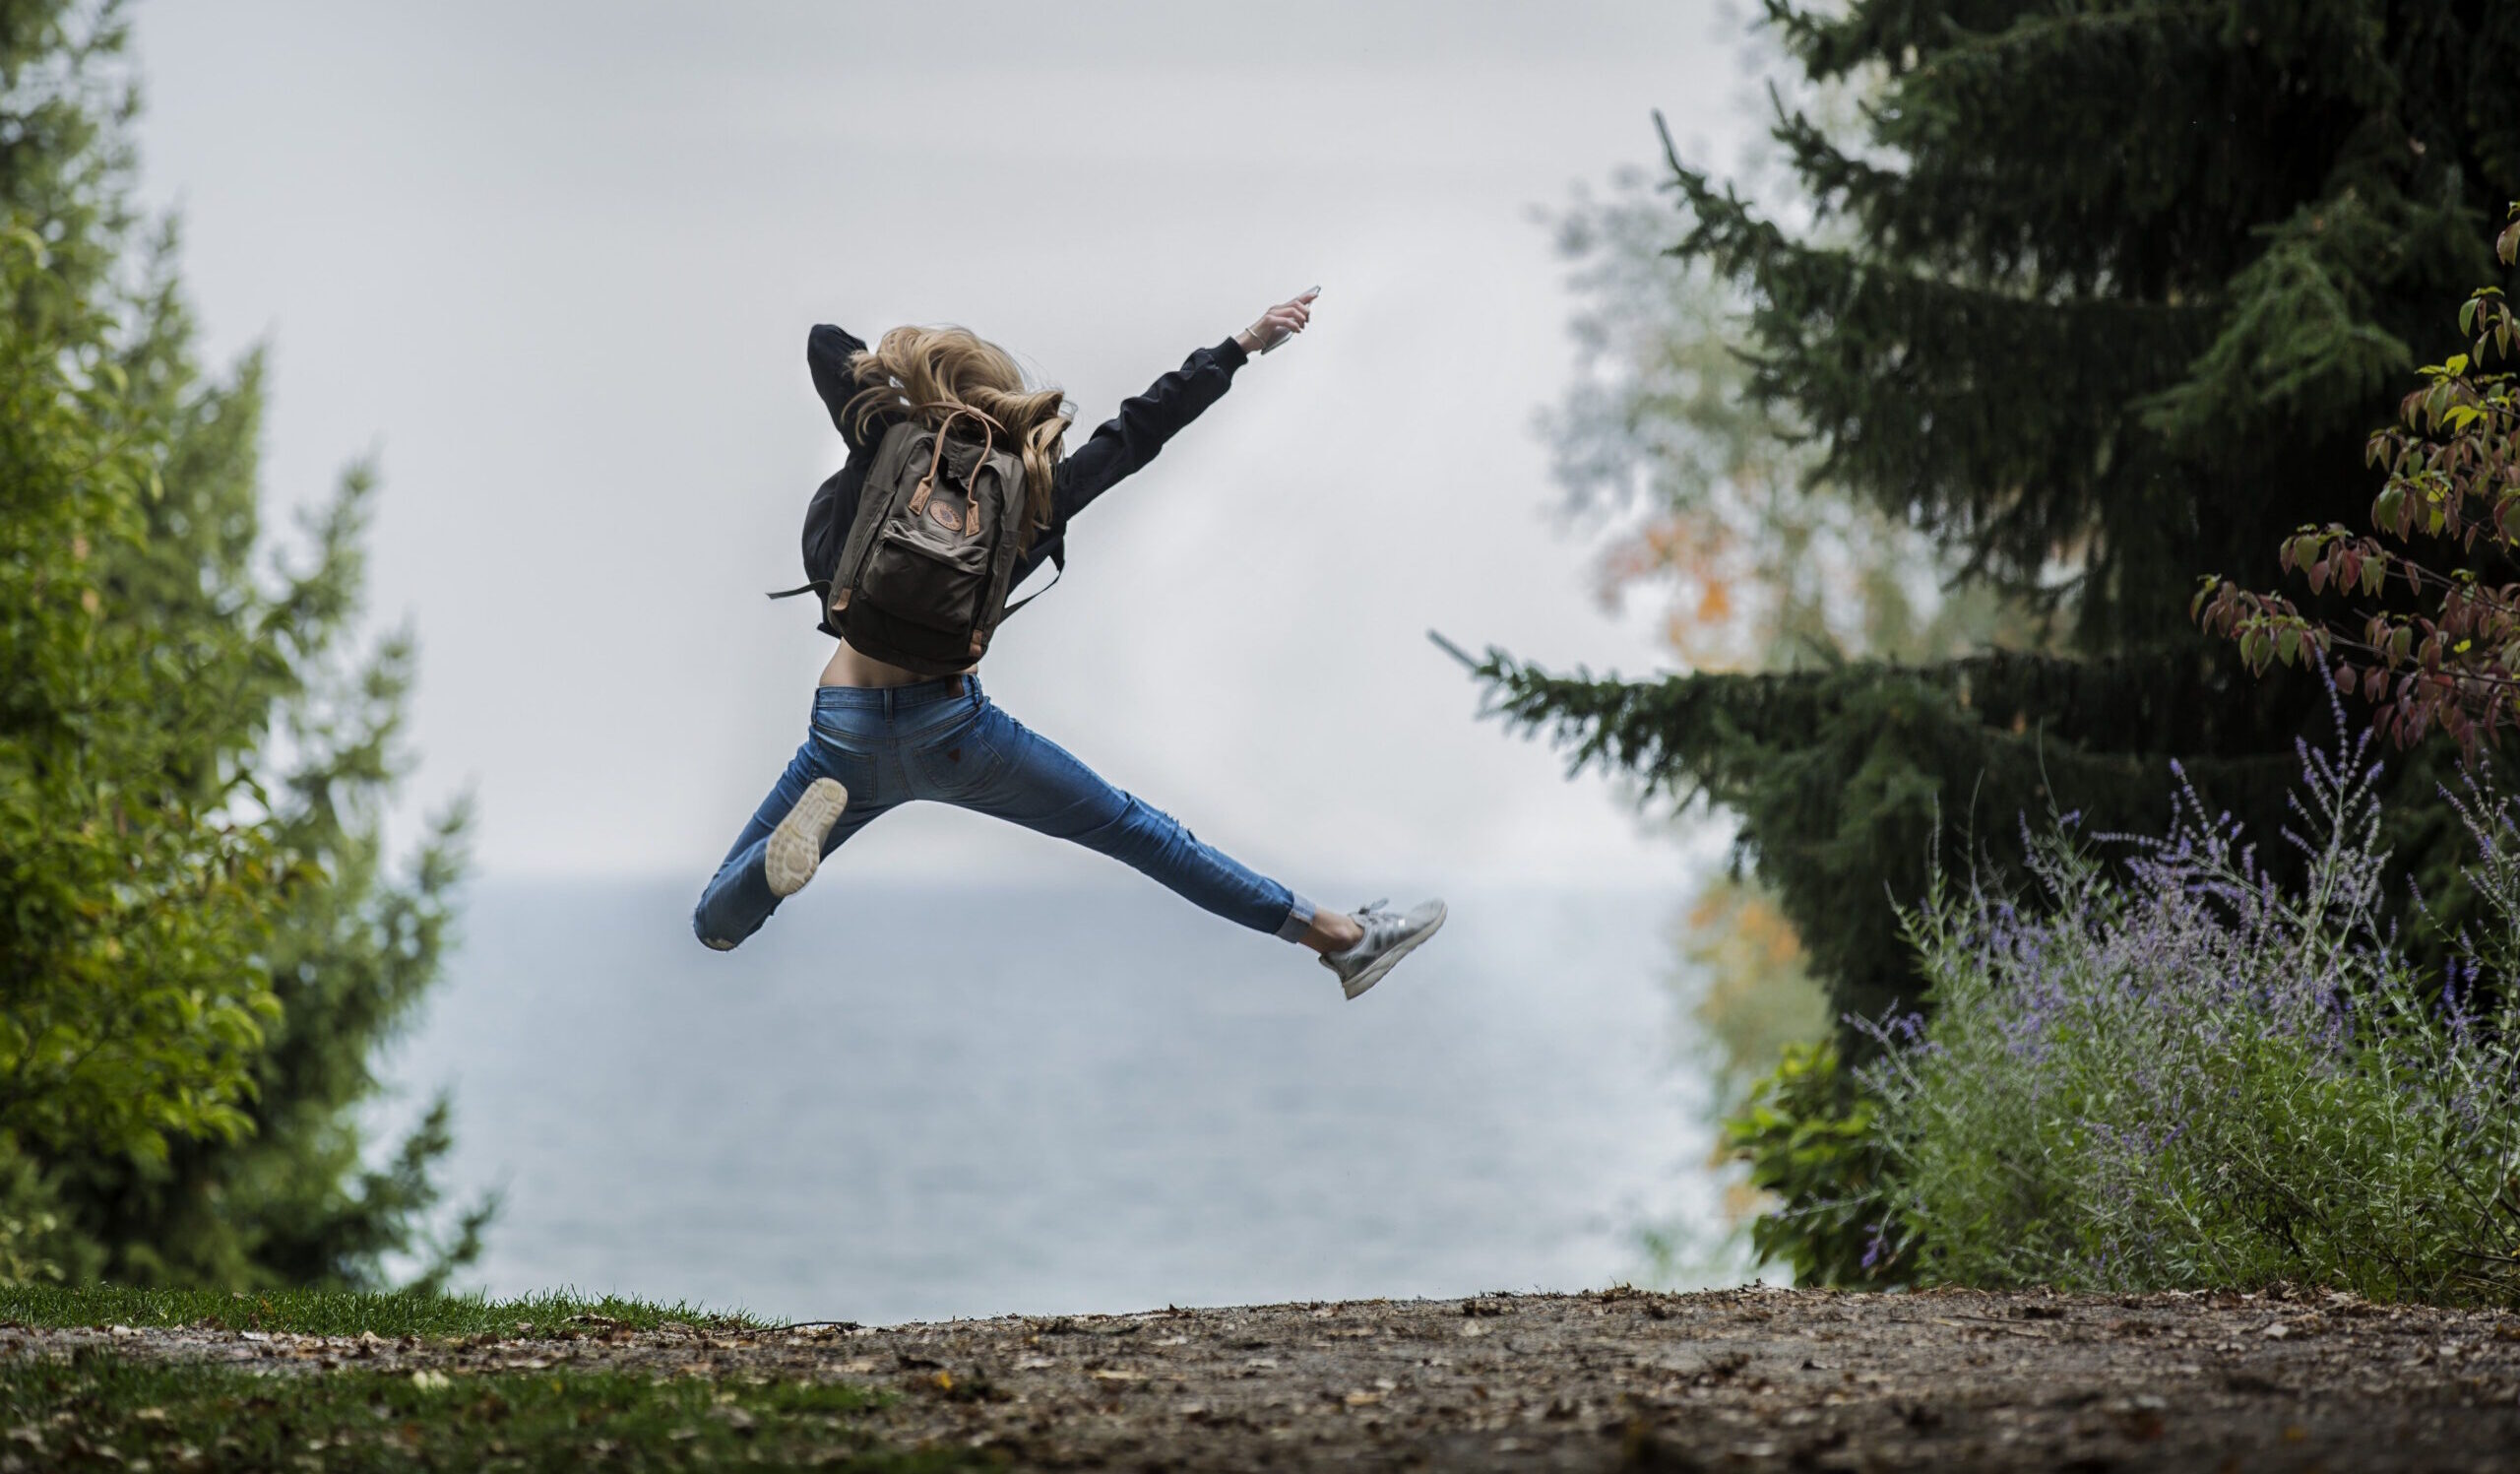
847, 743
955, 762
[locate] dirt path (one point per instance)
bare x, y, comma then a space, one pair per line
1749, 1379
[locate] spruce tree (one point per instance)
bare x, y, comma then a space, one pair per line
202, 940
2100, 298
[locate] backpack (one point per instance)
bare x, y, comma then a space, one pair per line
922, 580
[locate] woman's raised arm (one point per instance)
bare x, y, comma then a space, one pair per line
1129, 439
828, 350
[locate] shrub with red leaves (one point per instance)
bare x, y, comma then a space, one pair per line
2448, 657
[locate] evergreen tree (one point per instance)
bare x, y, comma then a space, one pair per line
202, 941
2099, 297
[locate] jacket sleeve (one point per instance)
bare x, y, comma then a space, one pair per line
828, 350
1130, 438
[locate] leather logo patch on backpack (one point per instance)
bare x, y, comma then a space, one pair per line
944, 516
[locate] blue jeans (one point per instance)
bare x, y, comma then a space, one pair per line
944, 741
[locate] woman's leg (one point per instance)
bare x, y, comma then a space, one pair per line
995, 765
742, 895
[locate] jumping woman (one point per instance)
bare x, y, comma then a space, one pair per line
956, 488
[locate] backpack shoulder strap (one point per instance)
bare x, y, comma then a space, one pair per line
1058, 570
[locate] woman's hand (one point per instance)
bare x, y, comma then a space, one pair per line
1278, 324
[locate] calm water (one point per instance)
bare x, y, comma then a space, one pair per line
1054, 1101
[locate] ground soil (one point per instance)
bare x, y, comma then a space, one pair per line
1751, 1378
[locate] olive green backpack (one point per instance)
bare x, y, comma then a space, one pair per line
921, 582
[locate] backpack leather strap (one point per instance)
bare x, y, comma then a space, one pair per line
926, 484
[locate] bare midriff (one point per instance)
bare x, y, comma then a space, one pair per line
848, 667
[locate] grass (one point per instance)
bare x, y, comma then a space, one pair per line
101, 1411
335, 1312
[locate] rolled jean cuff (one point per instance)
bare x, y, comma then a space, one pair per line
1298, 920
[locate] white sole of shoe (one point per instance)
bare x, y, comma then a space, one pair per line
1391, 959
797, 846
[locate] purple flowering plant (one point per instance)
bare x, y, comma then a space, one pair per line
2172, 1070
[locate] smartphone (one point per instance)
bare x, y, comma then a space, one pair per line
1284, 336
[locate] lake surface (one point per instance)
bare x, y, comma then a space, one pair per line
915, 1102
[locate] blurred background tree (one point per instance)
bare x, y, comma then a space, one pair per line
1759, 562
203, 939
2062, 307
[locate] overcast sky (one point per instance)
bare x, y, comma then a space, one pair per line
555, 263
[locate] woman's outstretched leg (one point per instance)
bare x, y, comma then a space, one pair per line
778, 852
995, 765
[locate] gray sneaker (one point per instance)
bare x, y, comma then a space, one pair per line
797, 846
1389, 937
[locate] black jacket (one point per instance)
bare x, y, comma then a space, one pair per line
1120, 445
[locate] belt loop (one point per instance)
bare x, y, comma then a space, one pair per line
888, 703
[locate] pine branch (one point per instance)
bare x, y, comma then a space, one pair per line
1994, 51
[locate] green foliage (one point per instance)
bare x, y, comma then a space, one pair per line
2067, 315
201, 942
2087, 348
30, 1229
132, 931
1858, 782
2448, 657
2179, 1072
338, 1313
107, 1412
1813, 1139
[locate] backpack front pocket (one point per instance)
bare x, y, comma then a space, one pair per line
937, 584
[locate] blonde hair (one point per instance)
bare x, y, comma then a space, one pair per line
932, 371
